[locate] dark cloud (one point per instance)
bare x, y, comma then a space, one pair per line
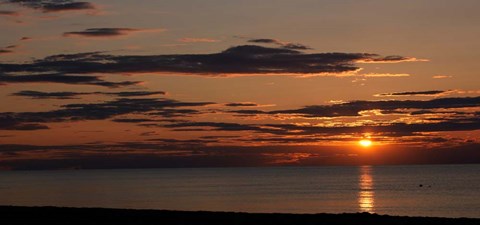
101, 32
296, 46
73, 95
68, 6
100, 111
263, 40
293, 139
287, 45
218, 126
421, 112
412, 93
133, 120
53, 5
248, 59
191, 142
241, 104
220, 137
47, 95
63, 79
354, 108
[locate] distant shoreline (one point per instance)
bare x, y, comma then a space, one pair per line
83, 216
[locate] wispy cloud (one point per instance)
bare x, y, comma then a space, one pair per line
441, 77
430, 93
73, 95
374, 75
392, 59
107, 32
101, 32
413, 93
63, 79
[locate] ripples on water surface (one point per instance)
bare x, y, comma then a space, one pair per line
430, 190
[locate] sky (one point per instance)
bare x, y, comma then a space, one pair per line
146, 84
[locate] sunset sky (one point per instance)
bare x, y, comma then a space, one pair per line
177, 83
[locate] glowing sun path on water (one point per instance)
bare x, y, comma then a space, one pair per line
366, 202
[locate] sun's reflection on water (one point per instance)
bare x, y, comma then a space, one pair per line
366, 194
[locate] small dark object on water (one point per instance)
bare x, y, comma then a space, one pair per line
420, 185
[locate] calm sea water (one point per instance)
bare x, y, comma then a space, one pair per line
430, 190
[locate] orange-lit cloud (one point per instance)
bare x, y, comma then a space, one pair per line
391, 59
197, 40
373, 75
441, 77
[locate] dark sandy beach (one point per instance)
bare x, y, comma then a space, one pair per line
85, 216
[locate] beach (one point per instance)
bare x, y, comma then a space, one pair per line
85, 216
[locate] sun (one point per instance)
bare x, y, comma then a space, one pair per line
365, 143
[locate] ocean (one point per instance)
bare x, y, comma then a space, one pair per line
414, 190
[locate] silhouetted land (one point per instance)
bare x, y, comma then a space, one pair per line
86, 216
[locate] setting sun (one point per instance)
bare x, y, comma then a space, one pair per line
365, 143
